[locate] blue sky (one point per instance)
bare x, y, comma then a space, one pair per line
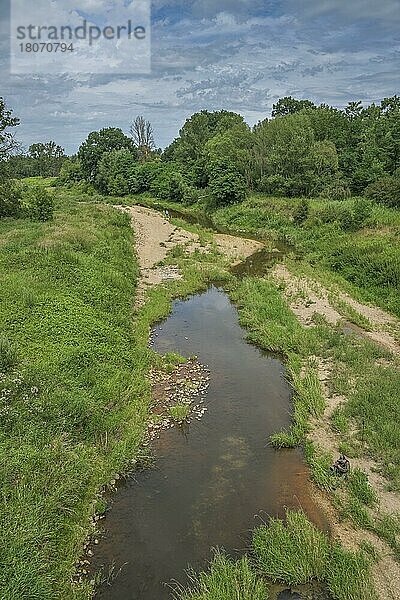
239, 55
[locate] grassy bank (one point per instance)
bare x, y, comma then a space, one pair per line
292, 553
360, 250
353, 243
74, 392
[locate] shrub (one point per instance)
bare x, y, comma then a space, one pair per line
168, 185
71, 172
301, 212
348, 217
385, 191
362, 210
336, 191
10, 199
38, 204
146, 174
276, 185
227, 185
114, 172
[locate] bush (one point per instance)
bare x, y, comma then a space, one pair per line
349, 217
71, 172
336, 191
227, 185
385, 191
276, 185
114, 172
38, 204
301, 212
168, 185
10, 199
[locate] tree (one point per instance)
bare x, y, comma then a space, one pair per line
188, 148
289, 106
48, 158
7, 121
233, 146
353, 110
143, 137
114, 172
97, 144
227, 185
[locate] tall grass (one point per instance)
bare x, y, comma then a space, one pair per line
296, 552
226, 580
293, 553
74, 409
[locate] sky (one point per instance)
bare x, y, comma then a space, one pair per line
239, 55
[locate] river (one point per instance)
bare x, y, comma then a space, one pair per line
211, 484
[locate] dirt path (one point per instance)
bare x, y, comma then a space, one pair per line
155, 236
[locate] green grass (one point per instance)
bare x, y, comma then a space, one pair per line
293, 552
226, 580
296, 552
73, 409
179, 412
367, 260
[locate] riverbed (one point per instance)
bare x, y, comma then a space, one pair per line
215, 481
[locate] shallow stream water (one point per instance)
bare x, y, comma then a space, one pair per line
214, 482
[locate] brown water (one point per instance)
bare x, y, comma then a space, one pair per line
213, 484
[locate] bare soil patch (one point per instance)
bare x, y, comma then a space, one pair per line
155, 236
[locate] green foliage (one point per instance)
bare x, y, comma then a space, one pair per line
7, 122
226, 580
385, 191
71, 172
101, 142
227, 185
77, 405
201, 127
10, 199
114, 171
335, 190
38, 204
289, 106
45, 159
169, 185
301, 212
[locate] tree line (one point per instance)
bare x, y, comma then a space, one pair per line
303, 150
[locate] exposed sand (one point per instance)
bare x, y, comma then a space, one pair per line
307, 297
155, 236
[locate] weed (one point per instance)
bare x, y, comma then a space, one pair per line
179, 412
